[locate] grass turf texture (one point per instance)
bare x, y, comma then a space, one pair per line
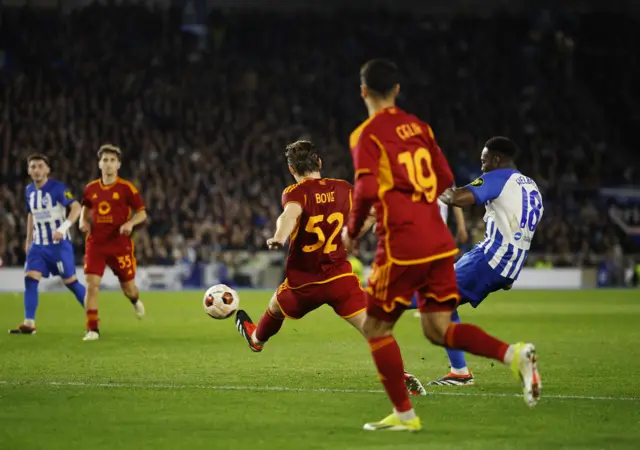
179, 379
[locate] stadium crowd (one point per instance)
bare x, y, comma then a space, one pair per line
203, 122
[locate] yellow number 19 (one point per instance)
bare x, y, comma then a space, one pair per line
422, 184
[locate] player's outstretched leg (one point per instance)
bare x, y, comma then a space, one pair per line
91, 308
459, 375
31, 281
522, 358
78, 289
268, 326
130, 290
388, 360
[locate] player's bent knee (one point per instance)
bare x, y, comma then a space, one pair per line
375, 328
70, 280
274, 308
435, 325
33, 274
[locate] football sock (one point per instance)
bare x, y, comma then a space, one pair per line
268, 326
472, 339
414, 302
30, 298
92, 319
388, 360
78, 290
456, 357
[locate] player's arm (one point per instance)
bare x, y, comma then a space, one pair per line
369, 222
85, 211
29, 239
140, 215
66, 198
461, 225
285, 224
481, 190
366, 157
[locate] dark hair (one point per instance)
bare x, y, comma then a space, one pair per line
502, 146
37, 157
380, 76
108, 148
303, 157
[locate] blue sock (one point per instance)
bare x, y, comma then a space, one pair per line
456, 357
78, 290
30, 298
414, 302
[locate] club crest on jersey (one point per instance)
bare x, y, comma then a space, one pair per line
46, 200
104, 208
116, 196
477, 182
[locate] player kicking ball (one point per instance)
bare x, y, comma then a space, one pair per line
317, 269
48, 245
110, 201
495, 262
400, 170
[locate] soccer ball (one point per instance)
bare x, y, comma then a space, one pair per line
220, 301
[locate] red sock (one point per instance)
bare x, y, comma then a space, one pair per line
472, 339
268, 326
388, 360
92, 319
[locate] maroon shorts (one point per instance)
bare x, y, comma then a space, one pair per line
391, 288
343, 293
120, 259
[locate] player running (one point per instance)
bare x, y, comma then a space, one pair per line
48, 245
317, 269
513, 211
110, 200
400, 170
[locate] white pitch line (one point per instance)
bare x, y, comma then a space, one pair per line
292, 389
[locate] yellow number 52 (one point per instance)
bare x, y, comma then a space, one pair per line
422, 184
314, 228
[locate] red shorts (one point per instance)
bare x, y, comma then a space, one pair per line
120, 259
391, 288
344, 294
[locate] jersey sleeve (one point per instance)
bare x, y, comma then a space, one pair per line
64, 195
440, 165
134, 198
86, 197
487, 187
366, 156
293, 194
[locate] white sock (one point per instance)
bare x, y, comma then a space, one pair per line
30, 323
463, 371
508, 356
405, 416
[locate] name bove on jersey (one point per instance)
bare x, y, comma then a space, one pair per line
514, 209
48, 206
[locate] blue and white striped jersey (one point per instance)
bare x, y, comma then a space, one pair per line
48, 205
513, 211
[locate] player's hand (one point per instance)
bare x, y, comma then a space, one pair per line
275, 244
57, 237
348, 242
462, 235
85, 227
126, 229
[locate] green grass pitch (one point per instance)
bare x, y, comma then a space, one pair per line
180, 380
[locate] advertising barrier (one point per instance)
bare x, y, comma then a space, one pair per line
170, 279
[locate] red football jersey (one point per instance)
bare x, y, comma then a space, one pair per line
401, 171
316, 253
111, 206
